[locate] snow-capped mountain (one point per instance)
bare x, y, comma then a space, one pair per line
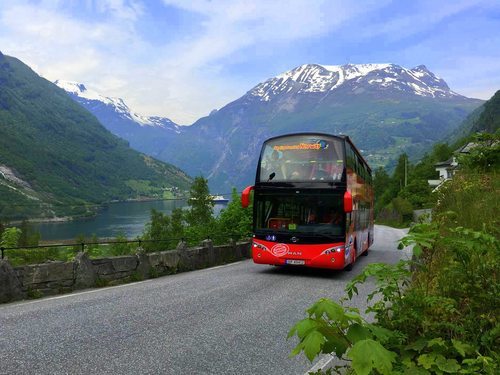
314, 78
147, 134
84, 94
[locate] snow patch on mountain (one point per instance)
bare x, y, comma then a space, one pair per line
315, 78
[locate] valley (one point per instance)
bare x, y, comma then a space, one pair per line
58, 160
67, 163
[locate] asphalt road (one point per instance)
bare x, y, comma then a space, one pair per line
232, 319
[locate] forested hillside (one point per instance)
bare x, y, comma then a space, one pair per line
484, 118
489, 120
56, 158
407, 189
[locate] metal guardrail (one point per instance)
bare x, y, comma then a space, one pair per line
81, 245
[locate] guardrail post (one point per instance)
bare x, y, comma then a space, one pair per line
182, 245
140, 249
83, 247
1, 248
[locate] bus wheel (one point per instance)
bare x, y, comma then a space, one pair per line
365, 253
348, 268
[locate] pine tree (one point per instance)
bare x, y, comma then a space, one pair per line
201, 203
234, 219
177, 223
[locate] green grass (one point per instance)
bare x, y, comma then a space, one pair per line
35, 256
67, 253
473, 197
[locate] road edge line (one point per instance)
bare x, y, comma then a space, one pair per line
323, 364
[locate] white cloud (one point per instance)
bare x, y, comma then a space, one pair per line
232, 25
129, 10
58, 45
465, 54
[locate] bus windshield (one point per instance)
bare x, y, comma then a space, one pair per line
304, 213
302, 158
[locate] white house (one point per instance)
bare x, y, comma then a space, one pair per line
448, 168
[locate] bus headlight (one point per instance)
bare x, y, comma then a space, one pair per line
260, 246
331, 250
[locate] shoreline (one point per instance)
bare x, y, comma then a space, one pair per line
64, 219
57, 219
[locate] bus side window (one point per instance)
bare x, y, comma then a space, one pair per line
348, 221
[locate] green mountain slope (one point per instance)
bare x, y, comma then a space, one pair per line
55, 156
465, 127
485, 118
489, 120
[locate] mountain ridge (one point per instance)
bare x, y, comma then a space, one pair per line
80, 91
143, 133
323, 78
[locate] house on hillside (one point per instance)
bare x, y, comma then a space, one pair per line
448, 168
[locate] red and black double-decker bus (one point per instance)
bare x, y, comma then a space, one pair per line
313, 202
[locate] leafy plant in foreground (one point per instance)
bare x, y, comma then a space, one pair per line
333, 328
441, 318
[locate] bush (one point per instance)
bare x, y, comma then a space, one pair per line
399, 213
473, 196
121, 247
159, 234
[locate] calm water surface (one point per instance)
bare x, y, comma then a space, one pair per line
128, 218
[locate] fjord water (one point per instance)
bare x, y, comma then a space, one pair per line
128, 218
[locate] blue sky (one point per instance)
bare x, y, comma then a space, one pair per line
181, 58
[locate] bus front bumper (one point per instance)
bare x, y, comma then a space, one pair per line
331, 256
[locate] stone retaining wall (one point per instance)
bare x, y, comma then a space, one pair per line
60, 277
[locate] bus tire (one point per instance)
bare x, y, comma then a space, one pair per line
348, 268
365, 253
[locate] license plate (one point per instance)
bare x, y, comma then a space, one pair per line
295, 262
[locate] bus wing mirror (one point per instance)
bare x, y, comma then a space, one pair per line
245, 196
347, 202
